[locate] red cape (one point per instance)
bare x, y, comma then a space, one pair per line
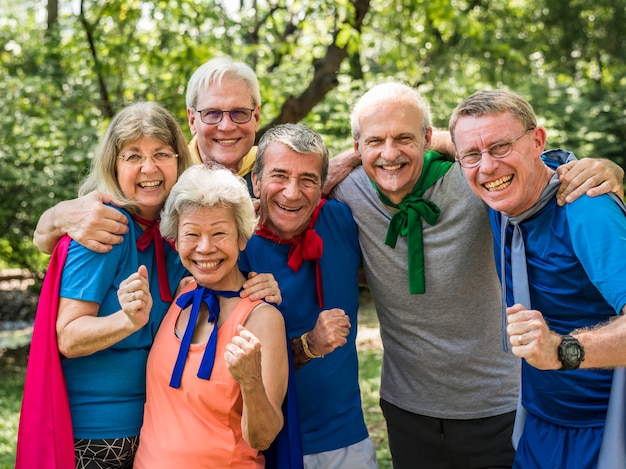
45, 439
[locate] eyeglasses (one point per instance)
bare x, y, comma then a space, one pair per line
215, 116
497, 150
160, 158
304, 182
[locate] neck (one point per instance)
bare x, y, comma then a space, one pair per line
538, 186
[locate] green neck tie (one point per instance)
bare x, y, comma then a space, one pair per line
411, 210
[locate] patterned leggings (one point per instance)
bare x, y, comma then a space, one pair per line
114, 453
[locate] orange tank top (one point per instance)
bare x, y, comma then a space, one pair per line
197, 425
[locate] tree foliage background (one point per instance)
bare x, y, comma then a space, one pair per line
67, 66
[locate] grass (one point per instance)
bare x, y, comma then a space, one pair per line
13, 367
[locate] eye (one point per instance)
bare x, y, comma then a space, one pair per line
211, 114
472, 156
499, 148
278, 178
238, 115
308, 183
132, 158
161, 156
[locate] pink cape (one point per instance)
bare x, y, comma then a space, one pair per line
45, 439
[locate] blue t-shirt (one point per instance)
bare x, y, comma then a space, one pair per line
107, 388
575, 257
329, 399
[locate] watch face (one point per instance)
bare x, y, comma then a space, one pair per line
571, 353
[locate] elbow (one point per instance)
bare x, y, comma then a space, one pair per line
67, 349
262, 440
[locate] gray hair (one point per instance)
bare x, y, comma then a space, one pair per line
214, 71
130, 124
297, 137
389, 92
203, 186
491, 102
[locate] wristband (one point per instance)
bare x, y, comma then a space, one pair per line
305, 347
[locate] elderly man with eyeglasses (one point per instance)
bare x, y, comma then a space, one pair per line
562, 278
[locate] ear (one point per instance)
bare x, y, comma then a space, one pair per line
428, 138
256, 185
191, 119
356, 147
540, 137
257, 117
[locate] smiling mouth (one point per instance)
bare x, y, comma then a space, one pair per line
228, 141
288, 209
207, 264
499, 184
150, 184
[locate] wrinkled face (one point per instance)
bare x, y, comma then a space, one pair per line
289, 189
208, 245
226, 142
511, 184
148, 183
392, 147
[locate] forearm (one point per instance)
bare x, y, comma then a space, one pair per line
261, 421
48, 231
605, 345
89, 334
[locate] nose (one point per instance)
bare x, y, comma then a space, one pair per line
205, 245
390, 150
147, 164
487, 162
291, 190
226, 122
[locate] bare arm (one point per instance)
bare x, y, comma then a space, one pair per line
330, 332
339, 167
532, 339
591, 176
86, 219
257, 359
81, 332
441, 142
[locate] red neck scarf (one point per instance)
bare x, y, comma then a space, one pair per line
151, 234
306, 247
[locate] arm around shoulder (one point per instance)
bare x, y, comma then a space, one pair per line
86, 219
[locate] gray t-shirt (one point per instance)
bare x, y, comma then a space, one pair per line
443, 354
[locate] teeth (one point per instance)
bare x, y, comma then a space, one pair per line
288, 209
231, 140
392, 167
208, 265
150, 184
499, 184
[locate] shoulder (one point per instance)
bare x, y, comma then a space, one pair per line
262, 316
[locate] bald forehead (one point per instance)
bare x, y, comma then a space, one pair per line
391, 117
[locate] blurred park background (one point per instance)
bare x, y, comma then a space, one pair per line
67, 66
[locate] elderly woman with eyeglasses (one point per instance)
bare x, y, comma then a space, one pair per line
217, 372
102, 310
